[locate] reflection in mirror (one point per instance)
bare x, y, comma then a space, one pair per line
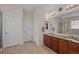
68, 26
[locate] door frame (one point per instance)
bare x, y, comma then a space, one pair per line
3, 29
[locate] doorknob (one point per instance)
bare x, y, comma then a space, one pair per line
6, 33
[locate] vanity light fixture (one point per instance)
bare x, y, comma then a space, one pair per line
51, 14
72, 6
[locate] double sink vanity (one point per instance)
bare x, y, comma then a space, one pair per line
61, 44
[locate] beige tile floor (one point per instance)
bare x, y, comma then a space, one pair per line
28, 48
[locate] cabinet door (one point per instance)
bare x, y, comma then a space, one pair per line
62, 47
73, 48
45, 39
54, 44
49, 42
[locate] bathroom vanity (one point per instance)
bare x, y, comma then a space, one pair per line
60, 44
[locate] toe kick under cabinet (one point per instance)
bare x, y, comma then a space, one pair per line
61, 46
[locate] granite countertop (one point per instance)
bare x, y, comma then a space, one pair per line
62, 37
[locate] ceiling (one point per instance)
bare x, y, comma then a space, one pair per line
31, 7
28, 7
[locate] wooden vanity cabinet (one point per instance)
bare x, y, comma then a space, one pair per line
62, 46
54, 44
47, 41
73, 48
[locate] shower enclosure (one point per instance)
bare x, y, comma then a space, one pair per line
0, 30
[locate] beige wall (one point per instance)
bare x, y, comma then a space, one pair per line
14, 10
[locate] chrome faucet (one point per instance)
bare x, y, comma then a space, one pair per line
72, 36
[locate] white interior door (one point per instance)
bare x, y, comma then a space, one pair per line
11, 30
